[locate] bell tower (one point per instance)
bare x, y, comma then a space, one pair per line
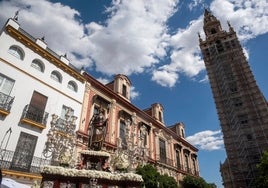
241, 107
212, 26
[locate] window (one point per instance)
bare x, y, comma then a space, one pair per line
124, 90
186, 162
213, 31
249, 137
96, 110
237, 102
143, 134
17, 52
66, 111
36, 108
72, 86
55, 75
243, 119
122, 134
219, 46
162, 149
194, 165
178, 160
6, 84
182, 133
38, 65
233, 87
24, 152
160, 116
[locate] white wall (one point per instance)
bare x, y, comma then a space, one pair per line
27, 80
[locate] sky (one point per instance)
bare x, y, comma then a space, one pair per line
155, 43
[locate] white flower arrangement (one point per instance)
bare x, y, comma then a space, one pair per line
95, 153
69, 172
65, 157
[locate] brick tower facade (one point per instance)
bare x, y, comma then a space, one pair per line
242, 109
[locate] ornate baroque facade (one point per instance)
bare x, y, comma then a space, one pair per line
138, 136
241, 106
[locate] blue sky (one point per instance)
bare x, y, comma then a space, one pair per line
155, 43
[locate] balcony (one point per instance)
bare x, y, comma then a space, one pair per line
6, 157
34, 117
6, 102
179, 167
166, 161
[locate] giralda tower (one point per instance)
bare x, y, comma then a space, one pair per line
242, 109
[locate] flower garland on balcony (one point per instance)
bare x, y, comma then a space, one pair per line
95, 153
68, 172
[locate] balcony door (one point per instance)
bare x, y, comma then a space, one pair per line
24, 152
37, 107
162, 148
38, 101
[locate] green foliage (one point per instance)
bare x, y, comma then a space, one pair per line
262, 179
153, 179
194, 182
167, 182
149, 175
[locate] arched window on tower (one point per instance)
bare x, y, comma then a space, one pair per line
213, 31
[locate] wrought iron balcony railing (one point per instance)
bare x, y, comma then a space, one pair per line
164, 160
6, 157
36, 116
6, 102
184, 168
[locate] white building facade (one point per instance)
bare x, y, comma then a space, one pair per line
37, 87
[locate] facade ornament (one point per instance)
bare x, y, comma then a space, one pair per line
97, 131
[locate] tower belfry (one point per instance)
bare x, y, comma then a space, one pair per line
241, 106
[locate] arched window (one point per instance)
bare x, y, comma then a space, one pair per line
16, 51
55, 75
38, 65
72, 86
213, 31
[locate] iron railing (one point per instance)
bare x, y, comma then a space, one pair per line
184, 168
35, 114
6, 102
164, 160
6, 157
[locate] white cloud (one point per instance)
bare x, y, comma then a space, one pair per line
135, 37
134, 94
204, 80
249, 18
104, 81
63, 32
207, 140
165, 77
195, 3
